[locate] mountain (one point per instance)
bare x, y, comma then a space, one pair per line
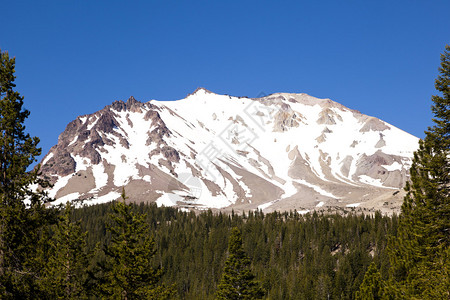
277, 152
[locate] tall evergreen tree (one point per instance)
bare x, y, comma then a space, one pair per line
372, 287
237, 281
419, 254
65, 274
22, 214
129, 272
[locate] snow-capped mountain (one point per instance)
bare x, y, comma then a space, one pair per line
278, 152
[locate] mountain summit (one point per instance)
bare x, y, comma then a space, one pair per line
278, 152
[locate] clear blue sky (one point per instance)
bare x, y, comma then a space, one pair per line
75, 57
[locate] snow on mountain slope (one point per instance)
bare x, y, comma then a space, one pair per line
282, 151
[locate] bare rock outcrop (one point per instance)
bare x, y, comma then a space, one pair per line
286, 118
61, 163
373, 124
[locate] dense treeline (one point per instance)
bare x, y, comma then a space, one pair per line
293, 256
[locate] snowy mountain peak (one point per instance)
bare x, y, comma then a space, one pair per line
282, 151
201, 91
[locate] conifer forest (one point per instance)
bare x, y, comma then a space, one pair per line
123, 250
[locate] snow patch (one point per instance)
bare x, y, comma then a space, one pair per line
89, 127
111, 196
74, 140
375, 182
59, 184
64, 199
393, 167
317, 189
168, 199
265, 205
81, 163
100, 177
47, 158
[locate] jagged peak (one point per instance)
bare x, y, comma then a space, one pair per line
132, 100
131, 104
200, 91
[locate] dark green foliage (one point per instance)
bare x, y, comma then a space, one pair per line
21, 225
18, 149
372, 287
237, 279
65, 275
292, 256
128, 270
419, 253
440, 133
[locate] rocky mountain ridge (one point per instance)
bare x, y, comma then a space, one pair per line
277, 152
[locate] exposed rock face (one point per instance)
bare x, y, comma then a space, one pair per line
373, 124
283, 151
328, 116
285, 118
61, 163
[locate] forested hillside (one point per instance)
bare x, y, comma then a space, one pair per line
293, 256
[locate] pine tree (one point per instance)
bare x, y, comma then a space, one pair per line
129, 272
237, 280
65, 274
372, 287
21, 222
419, 254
